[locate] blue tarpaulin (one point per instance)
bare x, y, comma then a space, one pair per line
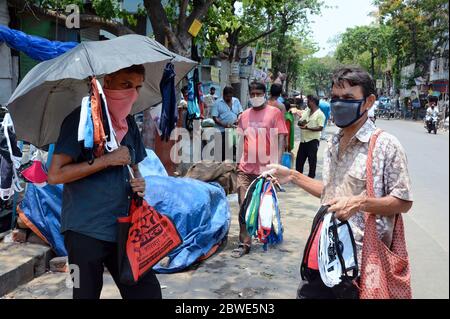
35, 47
199, 210
41, 209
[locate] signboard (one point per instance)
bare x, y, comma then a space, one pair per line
195, 28
265, 60
247, 56
379, 84
215, 75
247, 61
245, 71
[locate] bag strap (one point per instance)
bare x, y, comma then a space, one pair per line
369, 163
369, 217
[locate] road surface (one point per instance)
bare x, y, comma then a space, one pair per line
427, 224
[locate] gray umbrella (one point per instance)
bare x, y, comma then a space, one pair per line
54, 88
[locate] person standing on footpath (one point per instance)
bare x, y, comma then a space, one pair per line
343, 187
96, 194
311, 124
264, 131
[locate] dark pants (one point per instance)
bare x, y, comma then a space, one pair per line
91, 255
314, 288
243, 182
307, 151
231, 148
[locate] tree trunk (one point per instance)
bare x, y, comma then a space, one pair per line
180, 42
372, 63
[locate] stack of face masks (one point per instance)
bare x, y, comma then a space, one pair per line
337, 252
95, 130
262, 214
10, 159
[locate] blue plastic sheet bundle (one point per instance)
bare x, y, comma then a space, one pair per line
200, 212
42, 208
35, 47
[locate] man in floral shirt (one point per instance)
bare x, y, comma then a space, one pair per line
344, 173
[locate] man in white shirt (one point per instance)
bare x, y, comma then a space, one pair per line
209, 101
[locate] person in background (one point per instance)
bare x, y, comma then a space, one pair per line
372, 112
290, 124
311, 124
209, 101
257, 125
415, 104
183, 105
275, 93
225, 112
283, 99
324, 106
432, 109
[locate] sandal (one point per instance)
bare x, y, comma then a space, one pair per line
243, 249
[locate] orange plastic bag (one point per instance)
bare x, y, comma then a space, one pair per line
145, 237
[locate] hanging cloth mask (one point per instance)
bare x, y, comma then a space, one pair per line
10, 159
34, 171
97, 119
251, 216
276, 233
193, 108
111, 136
266, 213
169, 111
95, 130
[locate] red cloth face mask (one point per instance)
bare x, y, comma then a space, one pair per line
120, 103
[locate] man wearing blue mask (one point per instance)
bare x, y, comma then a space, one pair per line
343, 186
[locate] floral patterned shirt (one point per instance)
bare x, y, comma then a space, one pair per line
345, 175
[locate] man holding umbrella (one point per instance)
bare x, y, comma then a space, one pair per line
45, 108
96, 194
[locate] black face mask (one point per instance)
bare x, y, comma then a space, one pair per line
346, 112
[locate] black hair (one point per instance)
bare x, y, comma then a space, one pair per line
212, 89
276, 90
184, 89
313, 98
258, 86
228, 90
354, 76
432, 98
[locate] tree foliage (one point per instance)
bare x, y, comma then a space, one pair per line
419, 31
366, 46
316, 75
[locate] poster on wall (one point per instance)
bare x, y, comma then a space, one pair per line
247, 62
265, 59
215, 75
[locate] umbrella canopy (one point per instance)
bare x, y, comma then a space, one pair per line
54, 88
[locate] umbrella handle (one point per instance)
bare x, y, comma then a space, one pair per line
130, 170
